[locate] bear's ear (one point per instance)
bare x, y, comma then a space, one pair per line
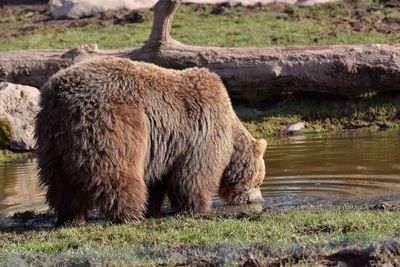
259, 148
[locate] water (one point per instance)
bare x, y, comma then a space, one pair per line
19, 188
345, 165
351, 164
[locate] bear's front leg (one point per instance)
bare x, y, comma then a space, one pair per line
64, 216
188, 199
71, 205
126, 201
156, 194
196, 179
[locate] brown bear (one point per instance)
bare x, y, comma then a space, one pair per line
118, 135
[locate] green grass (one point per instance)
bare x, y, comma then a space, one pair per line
7, 155
149, 242
322, 113
6, 133
175, 239
275, 25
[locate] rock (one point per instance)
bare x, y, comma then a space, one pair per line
73, 9
295, 128
54, 4
81, 50
19, 105
314, 2
241, 2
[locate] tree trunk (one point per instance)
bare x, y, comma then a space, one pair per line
248, 73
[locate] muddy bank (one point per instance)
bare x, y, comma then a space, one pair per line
33, 221
385, 252
319, 231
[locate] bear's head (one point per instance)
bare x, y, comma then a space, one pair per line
245, 173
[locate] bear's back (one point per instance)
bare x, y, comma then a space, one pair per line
109, 79
181, 109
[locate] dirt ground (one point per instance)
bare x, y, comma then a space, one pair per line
38, 17
383, 253
386, 253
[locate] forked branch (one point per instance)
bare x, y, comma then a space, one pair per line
164, 12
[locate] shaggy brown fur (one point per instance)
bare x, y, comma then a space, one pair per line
112, 132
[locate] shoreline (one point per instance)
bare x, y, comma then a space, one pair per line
313, 232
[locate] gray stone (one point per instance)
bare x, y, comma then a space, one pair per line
295, 128
81, 50
314, 2
19, 105
74, 9
241, 2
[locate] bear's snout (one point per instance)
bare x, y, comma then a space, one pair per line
254, 195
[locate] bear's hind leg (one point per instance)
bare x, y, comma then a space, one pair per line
70, 203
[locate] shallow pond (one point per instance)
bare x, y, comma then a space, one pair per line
335, 166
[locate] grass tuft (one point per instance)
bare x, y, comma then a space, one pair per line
363, 22
6, 133
325, 113
7, 155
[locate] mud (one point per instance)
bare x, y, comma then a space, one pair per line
385, 253
391, 3
378, 22
221, 9
33, 221
38, 17
121, 17
359, 16
23, 2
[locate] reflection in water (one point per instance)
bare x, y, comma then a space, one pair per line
351, 164
19, 189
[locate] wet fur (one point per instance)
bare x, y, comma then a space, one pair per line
118, 135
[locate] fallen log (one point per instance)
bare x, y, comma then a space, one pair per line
249, 73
